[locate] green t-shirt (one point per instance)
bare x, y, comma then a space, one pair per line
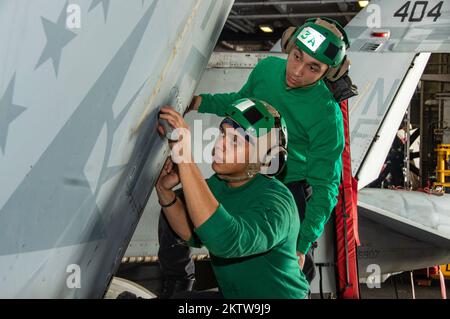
315, 136
252, 240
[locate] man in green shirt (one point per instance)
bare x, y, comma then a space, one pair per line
296, 87
247, 219
316, 138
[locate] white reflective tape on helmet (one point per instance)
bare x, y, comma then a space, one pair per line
244, 105
311, 38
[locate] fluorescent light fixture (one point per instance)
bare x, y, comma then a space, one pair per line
363, 4
266, 28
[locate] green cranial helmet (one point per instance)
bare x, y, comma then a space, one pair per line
256, 119
324, 39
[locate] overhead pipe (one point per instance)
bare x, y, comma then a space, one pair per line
239, 27
248, 23
291, 15
293, 3
232, 28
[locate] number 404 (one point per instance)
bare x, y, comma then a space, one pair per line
418, 11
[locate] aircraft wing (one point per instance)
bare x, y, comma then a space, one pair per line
415, 214
402, 230
80, 89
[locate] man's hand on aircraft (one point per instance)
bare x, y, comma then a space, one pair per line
169, 177
180, 139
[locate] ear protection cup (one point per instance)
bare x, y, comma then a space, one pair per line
334, 74
274, 161
287, 40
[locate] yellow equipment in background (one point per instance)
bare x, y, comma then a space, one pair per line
445, 269
443, 154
